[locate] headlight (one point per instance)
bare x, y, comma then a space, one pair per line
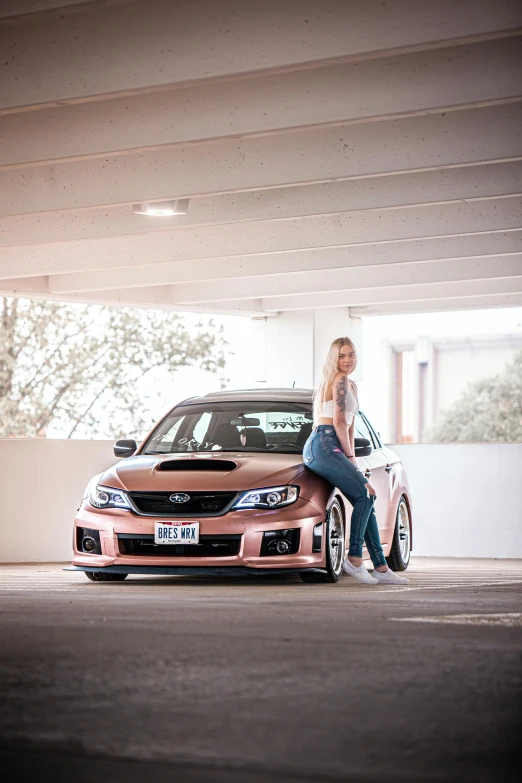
271, 497
106, 497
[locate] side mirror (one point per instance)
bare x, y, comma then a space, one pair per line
363, 447
125, 448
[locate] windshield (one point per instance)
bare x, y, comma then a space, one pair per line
233, 426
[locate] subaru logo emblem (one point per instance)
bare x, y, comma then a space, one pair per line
179, 497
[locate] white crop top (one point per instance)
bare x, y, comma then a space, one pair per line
352, 406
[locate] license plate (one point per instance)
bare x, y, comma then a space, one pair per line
185, 533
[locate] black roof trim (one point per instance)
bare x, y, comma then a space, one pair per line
254, 395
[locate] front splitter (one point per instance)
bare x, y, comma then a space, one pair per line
194, 570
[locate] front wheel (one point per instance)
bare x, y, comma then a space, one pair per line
399, 556
334, 545
99, 576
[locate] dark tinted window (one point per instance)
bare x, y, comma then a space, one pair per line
233, 426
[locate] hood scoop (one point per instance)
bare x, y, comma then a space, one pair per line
199, 465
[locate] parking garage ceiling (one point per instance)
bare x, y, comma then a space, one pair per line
340, 153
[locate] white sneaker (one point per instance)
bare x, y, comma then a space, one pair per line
389, 577
360, 573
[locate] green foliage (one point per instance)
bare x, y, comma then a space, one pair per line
82, 365
490, 411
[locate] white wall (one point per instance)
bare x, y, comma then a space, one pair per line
41, 485
467, 497
294, 344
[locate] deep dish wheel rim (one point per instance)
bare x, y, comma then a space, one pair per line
403, 524
335, 537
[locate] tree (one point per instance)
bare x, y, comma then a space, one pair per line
490, 410
81, 364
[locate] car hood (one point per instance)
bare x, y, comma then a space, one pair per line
189, 472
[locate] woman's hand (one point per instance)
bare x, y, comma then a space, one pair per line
371, 489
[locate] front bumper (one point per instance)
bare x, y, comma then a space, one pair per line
250, 524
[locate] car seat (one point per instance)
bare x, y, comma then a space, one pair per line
304, 434
255, 437
226, 436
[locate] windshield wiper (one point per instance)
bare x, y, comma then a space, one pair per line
241, 448
175, 451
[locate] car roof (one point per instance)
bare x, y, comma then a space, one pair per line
255, 395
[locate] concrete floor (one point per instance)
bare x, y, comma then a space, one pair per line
262, 679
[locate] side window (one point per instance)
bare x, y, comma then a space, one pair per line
363, 431
375, 434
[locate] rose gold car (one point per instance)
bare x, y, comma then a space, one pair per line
219, 487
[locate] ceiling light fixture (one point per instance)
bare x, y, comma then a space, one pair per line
162, 208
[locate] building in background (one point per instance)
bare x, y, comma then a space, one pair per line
430, 373
417, 365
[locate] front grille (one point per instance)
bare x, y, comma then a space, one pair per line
209, 546
201, 504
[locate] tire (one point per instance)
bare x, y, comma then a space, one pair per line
399, 556
334, 545
99, 576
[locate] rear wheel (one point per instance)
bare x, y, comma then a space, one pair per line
399, 556
99, 576
334, 545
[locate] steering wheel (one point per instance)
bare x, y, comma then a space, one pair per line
277, 446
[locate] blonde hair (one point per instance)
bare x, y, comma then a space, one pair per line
330, 370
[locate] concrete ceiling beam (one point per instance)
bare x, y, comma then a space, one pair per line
399, 296
132, 47
477, 136
162, 297
245, 267
402, 190
12, 9
419, 83
314, 283
386, 295
486, 302
122, 261
413, 293
159, 297
18, 286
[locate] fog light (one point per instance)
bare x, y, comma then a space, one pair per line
280, 542
281, 545
88, 541
88, 544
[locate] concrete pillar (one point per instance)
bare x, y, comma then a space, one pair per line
293, 345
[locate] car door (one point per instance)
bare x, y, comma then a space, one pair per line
378, 472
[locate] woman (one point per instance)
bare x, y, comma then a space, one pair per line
330, 452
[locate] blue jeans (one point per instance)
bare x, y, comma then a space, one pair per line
323, 454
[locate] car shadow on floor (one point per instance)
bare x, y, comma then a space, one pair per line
253, 581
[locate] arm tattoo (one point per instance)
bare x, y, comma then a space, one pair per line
341, 394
